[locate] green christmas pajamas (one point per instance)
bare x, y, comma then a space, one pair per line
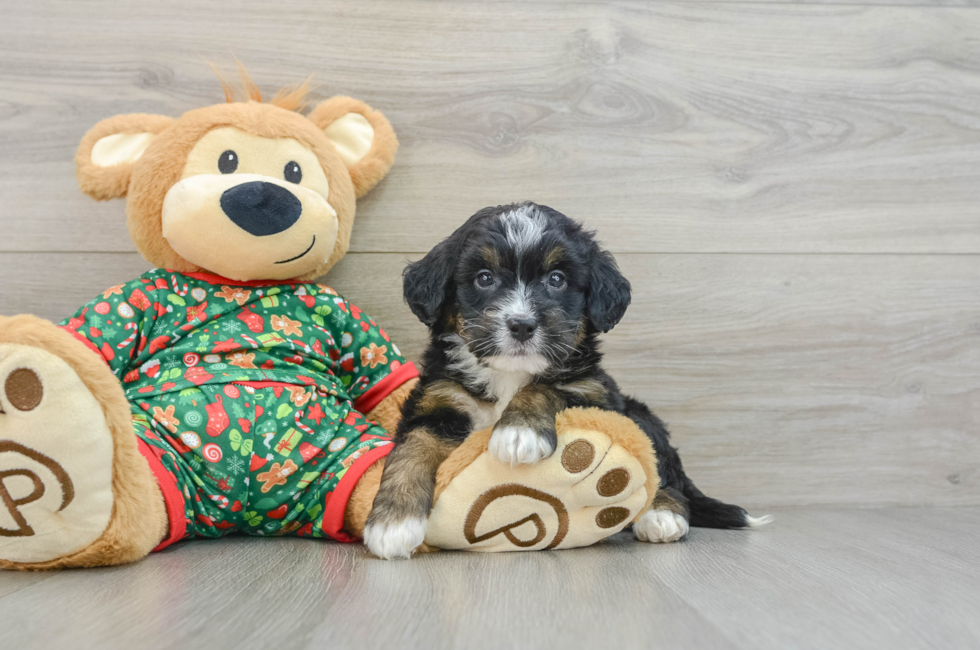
247, 399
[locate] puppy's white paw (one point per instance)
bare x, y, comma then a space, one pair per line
514, 445
397, 540
657, 526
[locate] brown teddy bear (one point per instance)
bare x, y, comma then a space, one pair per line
227, 391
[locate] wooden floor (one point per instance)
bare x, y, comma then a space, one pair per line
793, 189
818, 578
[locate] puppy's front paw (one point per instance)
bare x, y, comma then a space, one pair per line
659, 526
395, 540
514, 445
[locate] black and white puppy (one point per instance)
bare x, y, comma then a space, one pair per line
514, 300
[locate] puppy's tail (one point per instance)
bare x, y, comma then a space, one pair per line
712, 513
703, 511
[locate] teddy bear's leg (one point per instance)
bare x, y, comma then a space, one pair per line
74, 489
602, 476
362, 499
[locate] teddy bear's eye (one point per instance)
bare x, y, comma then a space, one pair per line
228, 162
292, 172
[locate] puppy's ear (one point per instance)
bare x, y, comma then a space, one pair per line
609, 292
105, 157
428, 283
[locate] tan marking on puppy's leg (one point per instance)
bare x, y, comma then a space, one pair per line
397, 522
665, 500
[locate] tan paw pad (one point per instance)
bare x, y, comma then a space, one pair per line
588, 489
55, 458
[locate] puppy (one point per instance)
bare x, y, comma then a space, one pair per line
514, 300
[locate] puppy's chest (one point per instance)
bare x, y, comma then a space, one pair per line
500, 387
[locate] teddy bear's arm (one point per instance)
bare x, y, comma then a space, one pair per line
388, 412
118, 323
366, 360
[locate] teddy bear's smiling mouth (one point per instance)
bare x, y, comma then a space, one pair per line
293, 259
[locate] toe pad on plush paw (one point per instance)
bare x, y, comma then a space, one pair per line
56, 458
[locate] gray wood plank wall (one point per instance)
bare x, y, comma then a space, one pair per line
793, 188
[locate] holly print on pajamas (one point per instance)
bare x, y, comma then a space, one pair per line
251, 396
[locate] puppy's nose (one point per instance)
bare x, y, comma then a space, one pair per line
522, 328
261, 208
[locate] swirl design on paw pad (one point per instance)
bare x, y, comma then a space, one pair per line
514, 489
13, 505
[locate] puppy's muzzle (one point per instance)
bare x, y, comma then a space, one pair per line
261, 208
522, 328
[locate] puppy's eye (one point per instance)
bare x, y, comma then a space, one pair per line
228, 162
556, 280
484, 279
293, 173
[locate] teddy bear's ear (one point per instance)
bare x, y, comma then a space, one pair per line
363, 138
105, 157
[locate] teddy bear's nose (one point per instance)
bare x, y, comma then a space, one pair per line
261, 208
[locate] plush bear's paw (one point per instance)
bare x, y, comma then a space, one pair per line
56, 458
391, 541
519, 445
589, 488
658, 526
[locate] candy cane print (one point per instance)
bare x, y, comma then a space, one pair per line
293, 344
302, 427
129, 339
251, 341
330, 340
179, 292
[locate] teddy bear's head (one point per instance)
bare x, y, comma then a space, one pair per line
244, 190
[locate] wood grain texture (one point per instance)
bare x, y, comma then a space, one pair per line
816, 379
817, 578
672, 127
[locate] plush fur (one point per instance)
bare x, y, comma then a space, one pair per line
515, 300
139, 519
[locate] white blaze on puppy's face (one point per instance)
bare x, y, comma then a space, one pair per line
265, 199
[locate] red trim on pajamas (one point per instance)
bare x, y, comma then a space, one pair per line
172, 497
336, 505
211, 278
374, 395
